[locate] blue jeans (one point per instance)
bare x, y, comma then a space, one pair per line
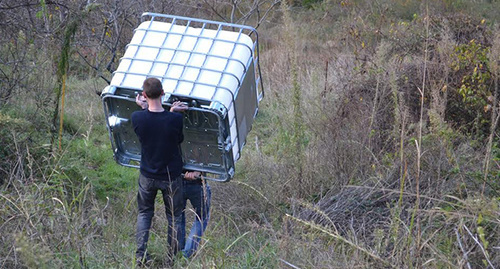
200, 200
174, 206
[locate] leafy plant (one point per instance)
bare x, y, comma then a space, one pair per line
472, 58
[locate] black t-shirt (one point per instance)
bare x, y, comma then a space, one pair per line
160, 135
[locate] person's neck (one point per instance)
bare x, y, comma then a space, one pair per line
154, 105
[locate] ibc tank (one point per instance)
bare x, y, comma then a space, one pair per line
212, 66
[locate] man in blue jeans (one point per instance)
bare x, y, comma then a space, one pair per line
160, 135
197, 191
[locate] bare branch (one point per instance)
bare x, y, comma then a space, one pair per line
215, 11
486, 256
459, 240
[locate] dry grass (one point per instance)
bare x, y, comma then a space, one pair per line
361, 163
328, 178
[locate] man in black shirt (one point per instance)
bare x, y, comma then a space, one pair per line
160, 135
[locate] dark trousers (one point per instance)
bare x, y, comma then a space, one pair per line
174, 205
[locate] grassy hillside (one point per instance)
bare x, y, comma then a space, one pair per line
376, 145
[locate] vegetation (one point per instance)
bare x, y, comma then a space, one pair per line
377, 144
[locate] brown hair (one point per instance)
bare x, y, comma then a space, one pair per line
152, 88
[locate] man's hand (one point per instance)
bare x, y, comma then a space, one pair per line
140, 100
178, 106
192, 175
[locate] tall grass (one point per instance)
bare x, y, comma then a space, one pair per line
330, 176
349, 148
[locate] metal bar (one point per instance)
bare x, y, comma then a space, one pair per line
106, 116
159, 48
198, 20
200, 37
135, 54
175, 54
206, 56
169, 63
182, 80
227, 64
238, 89
256, 45
187, 51
205, 60
235, 118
